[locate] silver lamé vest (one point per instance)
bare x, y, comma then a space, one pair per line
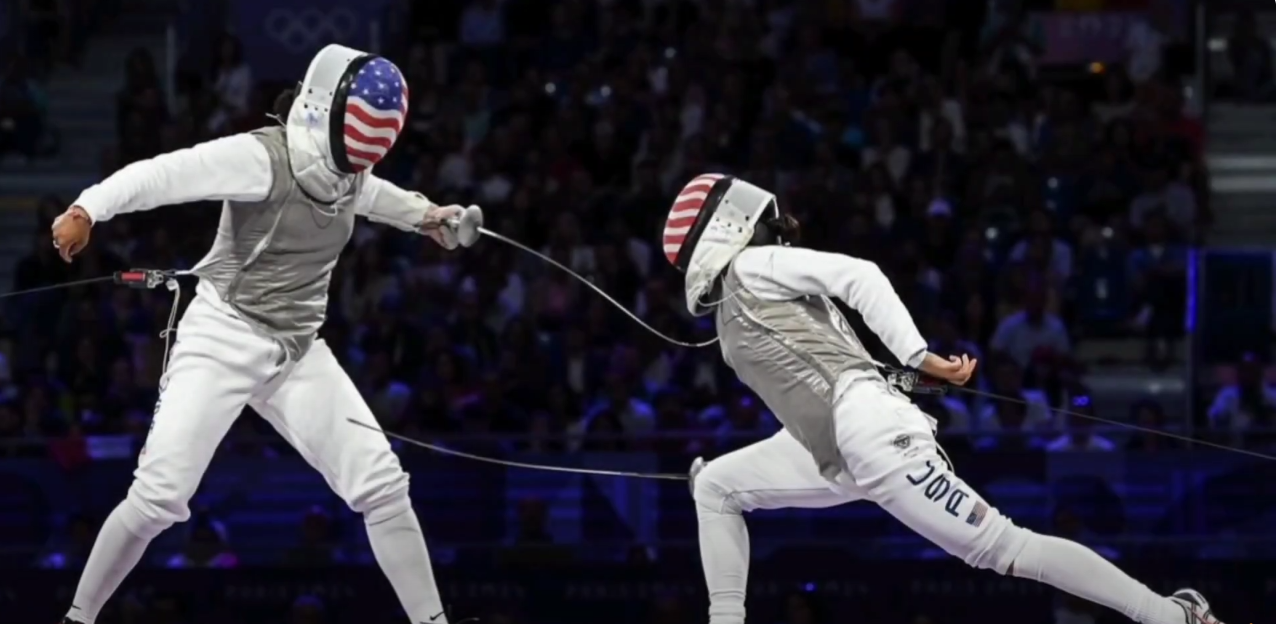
791, 353
272, 259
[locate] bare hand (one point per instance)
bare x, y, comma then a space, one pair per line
955, 370
71, 232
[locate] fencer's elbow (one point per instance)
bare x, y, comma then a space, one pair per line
867, 270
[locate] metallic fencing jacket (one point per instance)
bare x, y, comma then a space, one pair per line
272, 259
789, 343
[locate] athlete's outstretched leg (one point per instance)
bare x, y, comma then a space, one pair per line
774, 473
310, 409
896, 464
216, 365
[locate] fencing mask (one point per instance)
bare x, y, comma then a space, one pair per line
713, 218
346, 115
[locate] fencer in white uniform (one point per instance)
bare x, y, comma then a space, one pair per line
290, 196
848, 433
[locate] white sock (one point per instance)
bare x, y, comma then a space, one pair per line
402, 554
1080, 571
115, 553
723, 546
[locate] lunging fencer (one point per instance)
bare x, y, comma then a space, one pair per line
848, 434
290, 197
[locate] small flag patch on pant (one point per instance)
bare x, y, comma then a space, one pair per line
977, 513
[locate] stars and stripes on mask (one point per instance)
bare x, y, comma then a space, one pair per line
685, 212
712, 219
349, 109
374, 112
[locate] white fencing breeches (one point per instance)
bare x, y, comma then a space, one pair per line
218, 366
891, 460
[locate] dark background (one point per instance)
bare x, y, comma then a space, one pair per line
1079, 193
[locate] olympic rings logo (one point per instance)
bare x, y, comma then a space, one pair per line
307, 29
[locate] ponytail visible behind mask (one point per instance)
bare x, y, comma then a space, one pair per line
781, 230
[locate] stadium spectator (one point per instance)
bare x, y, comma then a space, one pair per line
674, 422
73, 549
1145, 44
1022, 334
1245, 402
317, 542
1251, 56
1011, 424
1010, 41
946, 336
233, 86
491, 407
1117, 102
1158, 274
481, 24
1149, 414
1080, 436
1042, 251
893, 159
49, 31
618, 415
952, 416
140, 108
1101, 282
739, 424
207, 546
9, 389
1166, 196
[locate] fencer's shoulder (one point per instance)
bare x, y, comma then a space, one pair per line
267, 136
233, 145
224, 154
240, 156
765, 257
753, 254
753, 260
761, 253
273, 130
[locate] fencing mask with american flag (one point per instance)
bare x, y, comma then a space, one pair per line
347, 113
712, 219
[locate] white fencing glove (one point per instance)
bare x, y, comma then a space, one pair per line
454, 225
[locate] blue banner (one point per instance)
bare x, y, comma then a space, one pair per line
578, 593
280, 37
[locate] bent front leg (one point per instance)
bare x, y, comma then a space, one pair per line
775, 473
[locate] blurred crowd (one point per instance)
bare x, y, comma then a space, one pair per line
38, 37
1016, 213
41, 37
